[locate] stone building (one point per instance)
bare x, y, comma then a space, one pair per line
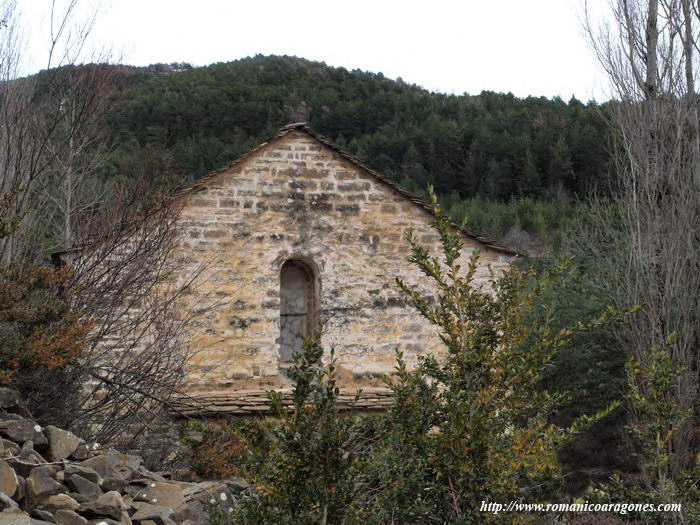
299, 235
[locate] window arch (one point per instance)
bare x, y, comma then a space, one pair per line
298, 307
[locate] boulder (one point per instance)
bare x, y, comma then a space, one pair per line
108, 504
68, 517
144, 477
79, 497
104, 465
237, 484
84, 486
194, 513
26, 449
40, 483
147, 512
118, 484
59, 502
8, 479
162, 495
23, 430
81, 453
6, 502
83, 471
14, 516
43, 515
61, 443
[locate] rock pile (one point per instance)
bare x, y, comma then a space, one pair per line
49, 475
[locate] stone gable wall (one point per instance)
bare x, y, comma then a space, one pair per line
296, 198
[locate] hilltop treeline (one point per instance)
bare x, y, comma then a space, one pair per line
180, 122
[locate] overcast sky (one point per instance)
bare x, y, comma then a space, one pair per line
527, 47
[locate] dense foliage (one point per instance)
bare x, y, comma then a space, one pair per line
468, 428
192, 120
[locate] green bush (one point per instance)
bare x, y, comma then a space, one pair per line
307, 473
472, 426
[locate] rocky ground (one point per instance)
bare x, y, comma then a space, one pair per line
49, 475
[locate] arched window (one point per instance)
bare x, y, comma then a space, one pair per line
298, 317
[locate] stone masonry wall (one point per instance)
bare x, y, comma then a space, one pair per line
295, 198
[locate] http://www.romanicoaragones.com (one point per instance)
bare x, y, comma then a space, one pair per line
617, 508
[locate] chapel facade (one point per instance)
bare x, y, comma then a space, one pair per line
299, 236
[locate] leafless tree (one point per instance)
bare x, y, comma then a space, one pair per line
127, 279
72, 190
44, 119
650, 236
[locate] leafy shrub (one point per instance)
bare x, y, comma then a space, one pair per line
216, 451
657, 420
473, 426
303, 465
41, 338
38, 331
469, 427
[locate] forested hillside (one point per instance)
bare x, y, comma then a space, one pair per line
175, 123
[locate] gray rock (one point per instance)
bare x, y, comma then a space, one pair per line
81, 453
211, 492
104, 465
193, 513
14, 516
162, 495
237, 484
147, 474
79, 497
26, 449
61, 443
117, 484
44, 515
59, 502
40, 483
23, 430
109, 504
128, 460
68, 517
6, 502
84, 486
9, 398
86, 472
203, 487
8, 479
146, 511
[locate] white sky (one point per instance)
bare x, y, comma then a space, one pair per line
527, 47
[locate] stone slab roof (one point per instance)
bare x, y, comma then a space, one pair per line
257, 402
